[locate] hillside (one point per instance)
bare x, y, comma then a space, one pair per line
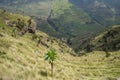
104, 12
20, 50
108, 40
21, 58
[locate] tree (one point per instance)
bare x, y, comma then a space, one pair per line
51, 56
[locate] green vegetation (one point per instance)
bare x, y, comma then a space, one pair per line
51, 56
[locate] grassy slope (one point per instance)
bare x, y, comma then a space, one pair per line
109, 38
20, 59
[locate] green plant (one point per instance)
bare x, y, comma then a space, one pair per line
51, 56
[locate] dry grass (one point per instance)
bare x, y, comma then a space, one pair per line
21, 59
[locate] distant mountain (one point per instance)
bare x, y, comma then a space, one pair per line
105, 12
29, 7
73, 21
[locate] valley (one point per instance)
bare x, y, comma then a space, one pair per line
85, 35
69, 19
